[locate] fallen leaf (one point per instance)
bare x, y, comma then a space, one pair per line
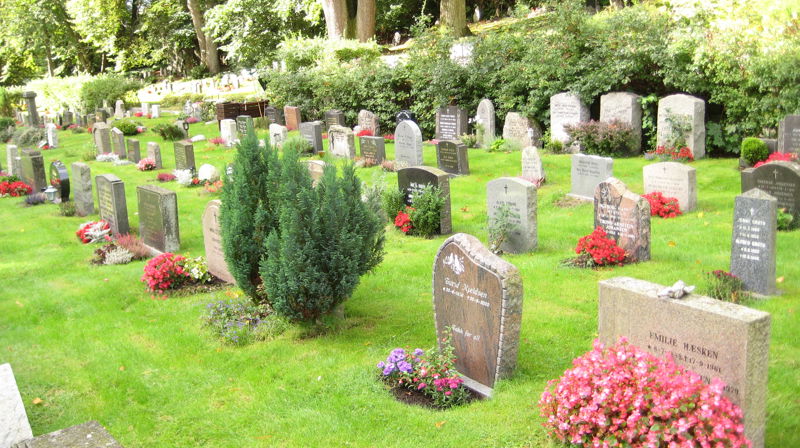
219, 349
37, 400
440, 424
779, 280
464, 209
671, 244
105, 279
697, 261
121, 368
700, 215
368, 343
19, 304
21, 230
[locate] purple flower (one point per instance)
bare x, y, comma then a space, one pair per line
397, 354
418, 352
389, 369
404, 367
381, 365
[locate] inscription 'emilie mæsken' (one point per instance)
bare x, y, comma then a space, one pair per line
685, 355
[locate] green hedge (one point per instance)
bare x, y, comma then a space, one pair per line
106, 87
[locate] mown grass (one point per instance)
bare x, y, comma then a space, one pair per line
91, 343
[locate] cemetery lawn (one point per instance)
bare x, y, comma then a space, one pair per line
92, 344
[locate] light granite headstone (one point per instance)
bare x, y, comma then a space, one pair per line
486, 119
754, 237
212, 238
686, 108
715, 339
11, 154
780, 180
312, 132
118, 143
293, 117
789, 134
477, 303
277, 135
625, 216
408, 144
227, 131
32, 172
532, 169
566, 108
368, 121
626, 108
134, 152
14, 426
518, 196
672, 179
102, 137
111, 202
451, 123
587, 172
341, 142
184, 155
82, 189
52, 135
145, 109
155, 111
158, 218
87, 435
316, 169
154, 152
119, 109
452, 157
413, 179
373, 148
334, 117
521, 130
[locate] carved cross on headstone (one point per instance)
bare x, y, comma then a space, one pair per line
775, 173
506, 188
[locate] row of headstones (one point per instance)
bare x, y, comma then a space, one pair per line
113, 141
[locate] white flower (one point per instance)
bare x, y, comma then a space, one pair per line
183, 177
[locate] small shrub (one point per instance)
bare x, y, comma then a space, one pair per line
754, 150
197, 268
500, 226
172, 101
169, 132
426, 213
14, 188
35, 199
93, 232
393, 201
77, 129
27, 137
778, 157
497, 145
89, 155
596, 249
240, 322
723, 285
112, 254
134, 245
624, 396
128, 127
297, 144
662, 206
146, 164
469, 140
612, 138
66, 208
785, 220
106, 88
165, 272
7, 128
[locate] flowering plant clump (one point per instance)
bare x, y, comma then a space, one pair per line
595, 249
213, 187
662, 206
364, 133
164, 272
197, 269
403, 221
624, 396
146, 164
388, 138
107, 157
722, 285
14, 188
138, 114
217, 141
191, 120
432, 373
93, 232
778, 157
165, 177
238, 322
682, 154
186, 178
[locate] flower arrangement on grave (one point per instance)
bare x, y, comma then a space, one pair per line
722, 285
165, 177
388, 138
388, 166
134, 245
663, 206
778, 157
138, 114
112, 254
212, 187
186, 178
365, 133
682, 154
216, 141
423, 219
239, 322
596, 249
192, 120
624, 396
12, 187
146, 164
93, 232
430, 373
171, 271
44, 147
107, 157
403, 220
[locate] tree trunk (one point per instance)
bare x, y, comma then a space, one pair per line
453, 15
49, 56
619, 4
209, 54
212, 56
365, 20
335, 12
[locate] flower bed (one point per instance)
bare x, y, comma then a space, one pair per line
778, 157
169, 271
596, 250
14, 188
682, 154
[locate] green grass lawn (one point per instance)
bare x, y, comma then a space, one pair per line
91, 343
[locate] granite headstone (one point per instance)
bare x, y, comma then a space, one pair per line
486, 119
451, 123
521, 130
312, 132
341, 142
111, 202
154, 152
277, 135
293, 117
368, 121
625, 216
626, 108
334, 117
184, 155
372, 148
789, 134
780, 180
685, 108
672, 179
532, 168
102, 137
754, 240
408, 144
134, 152
413, 179
227, 131
452, 157
212, 238
518, 197
59, 179
158, 218
32, 172
587, 172
566, 108
82, 189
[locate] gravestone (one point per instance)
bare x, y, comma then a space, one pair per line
87, 435
334, 117
145, 109
293, 117
274, 115
312, 132
566, 108
184, 155
82, 188
478, 297
101, 115
90, 120
341, 142
154, 152
32, 172
753, 245
451, 157
625, 108
686, 108
212, 238
789, 134
11, 156
451, 123
368, 121
111, 202
625, 216
59, 179
780, 180
519, 197
316, 168
405, 115
373, 148
227, 131
408, 144
532, 169
30, 103
119, 109
711, 337
673, 179
244, 125
522, 130
102, 138
277, 135
52, 135
413, 179
134, 153
118, 143
485, 118
155, 111
158, 218
587, 173
14, 426
184, 127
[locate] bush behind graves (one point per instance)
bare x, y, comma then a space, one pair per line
7, 128
612, 139
754, 150
177, 101
128, 127
28, 137
393, 201
169, 132
108, 88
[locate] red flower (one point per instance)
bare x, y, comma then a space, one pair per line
364, 133
662, 206
778, 156
403, 221
604, 251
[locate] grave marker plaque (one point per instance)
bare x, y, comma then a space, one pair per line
587, 172
82, 187
244, 125
293, 117
413, 179
158, 218
780, 180
451, 157
341, 142
134, 152
373, 148
212, 238
789, 134
566, 109
154, 152
408, 144
625, 216
485, 118
111, 202
477, 295
32, 172
451, 123
519, 197
277, 135
184, 155
522, 130
59, 179
155, 111
673, 179
312, 132
52, 135
334, 117
754, 237
626, 108
690, 109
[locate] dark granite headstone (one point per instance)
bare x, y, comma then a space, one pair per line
32, 172
312, 132
413, 179
244, 124
274, 115
112, 204
789, 134
406, 115
334, 117
451, 156
451, 123
293, 117
134, 153
478, 297
373, 148
30, 102
59, 178
753, 244
184, 155
87, 435
780, 180
158, 218
625, 216
212, 238
82, 187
